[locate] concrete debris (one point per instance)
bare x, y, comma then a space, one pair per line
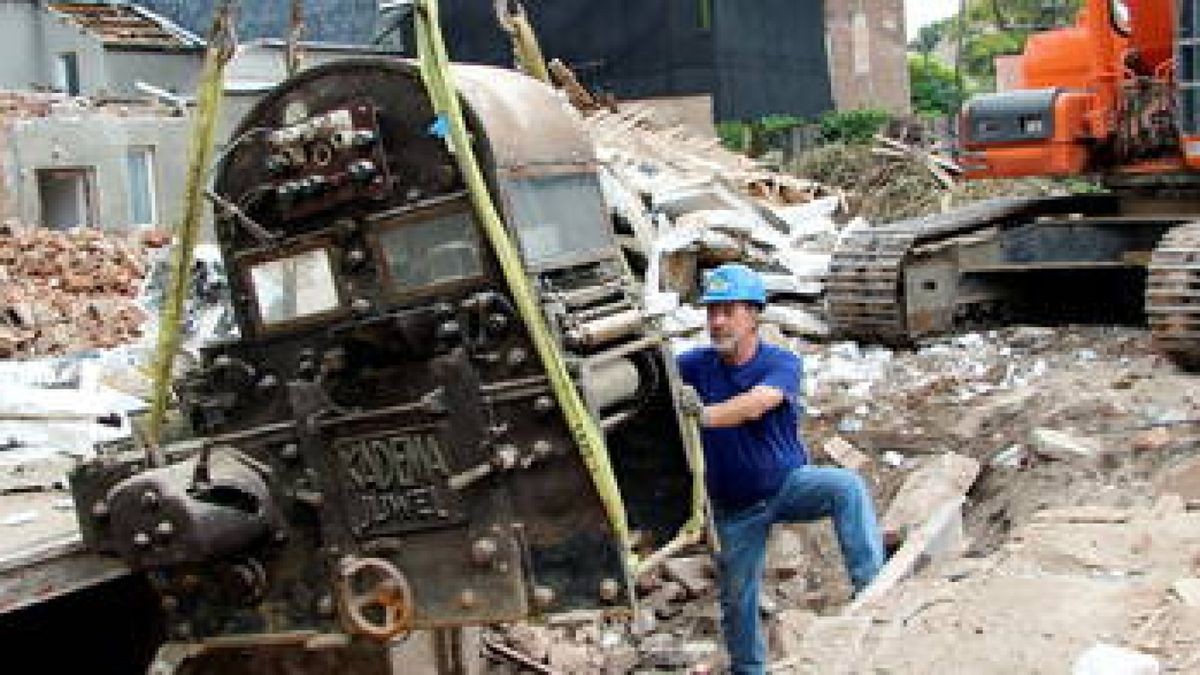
1152, 439
1105, 659
695, 574
1069, 552
1182, 479
844, 453
1083, 514
53, 414
67, 291
787, 629
1188, 591
1060, 445
532, 641
688, 205
787, 555
19, 518
938, 539
84, 307
796, 321
938, 480
1012, 457
831, 644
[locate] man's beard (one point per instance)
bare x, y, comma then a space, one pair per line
726, 345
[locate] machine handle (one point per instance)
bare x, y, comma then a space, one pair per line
386, 589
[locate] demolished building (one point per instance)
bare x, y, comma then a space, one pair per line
71, 162
80, 145
95, 49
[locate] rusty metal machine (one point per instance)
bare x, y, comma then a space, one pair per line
380, 450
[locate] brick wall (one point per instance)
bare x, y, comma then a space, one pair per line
865, 40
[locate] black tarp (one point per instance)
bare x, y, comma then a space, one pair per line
771, 59
340, 21
756, 57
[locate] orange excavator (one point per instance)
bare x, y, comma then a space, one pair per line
1116, 96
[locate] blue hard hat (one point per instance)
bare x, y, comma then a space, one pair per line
733, 282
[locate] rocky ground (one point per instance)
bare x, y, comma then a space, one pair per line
1065, 454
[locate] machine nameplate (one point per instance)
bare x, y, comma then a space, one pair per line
396, 482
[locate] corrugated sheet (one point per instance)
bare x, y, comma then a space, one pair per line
120, 25
343, 21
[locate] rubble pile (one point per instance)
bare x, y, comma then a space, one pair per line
890, 180
62, 292
683, 204
18, 105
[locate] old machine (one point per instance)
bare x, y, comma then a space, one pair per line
383, 448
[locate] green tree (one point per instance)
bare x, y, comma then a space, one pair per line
934, 91
992, 28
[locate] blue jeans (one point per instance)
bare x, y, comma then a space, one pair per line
808, 493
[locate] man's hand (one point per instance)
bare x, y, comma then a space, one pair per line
690, 403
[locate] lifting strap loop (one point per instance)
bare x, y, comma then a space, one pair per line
200, 154
435, 71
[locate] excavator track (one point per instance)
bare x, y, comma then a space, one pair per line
865, 290
1173, 294
872, 294
865, 281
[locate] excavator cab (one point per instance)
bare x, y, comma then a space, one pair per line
381, 450
1099, 97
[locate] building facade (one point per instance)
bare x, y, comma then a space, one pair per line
867, 47
68, 162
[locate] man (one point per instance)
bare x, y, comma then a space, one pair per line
745, 394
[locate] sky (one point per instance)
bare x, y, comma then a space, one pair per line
918, 13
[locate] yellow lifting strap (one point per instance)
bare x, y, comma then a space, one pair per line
208, 104
515, 21
435, 70
692, 531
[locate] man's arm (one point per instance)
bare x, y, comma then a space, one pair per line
745, 407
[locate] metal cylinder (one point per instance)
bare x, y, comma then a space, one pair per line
606, 329
589, 296
611, 383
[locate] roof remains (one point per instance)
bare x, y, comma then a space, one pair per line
123, 25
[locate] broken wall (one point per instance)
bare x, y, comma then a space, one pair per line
42, 132
868, 60
38, 38
178, 72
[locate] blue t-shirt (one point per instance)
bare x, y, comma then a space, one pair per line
749, 462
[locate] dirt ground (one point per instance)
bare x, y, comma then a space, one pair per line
1078, 530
